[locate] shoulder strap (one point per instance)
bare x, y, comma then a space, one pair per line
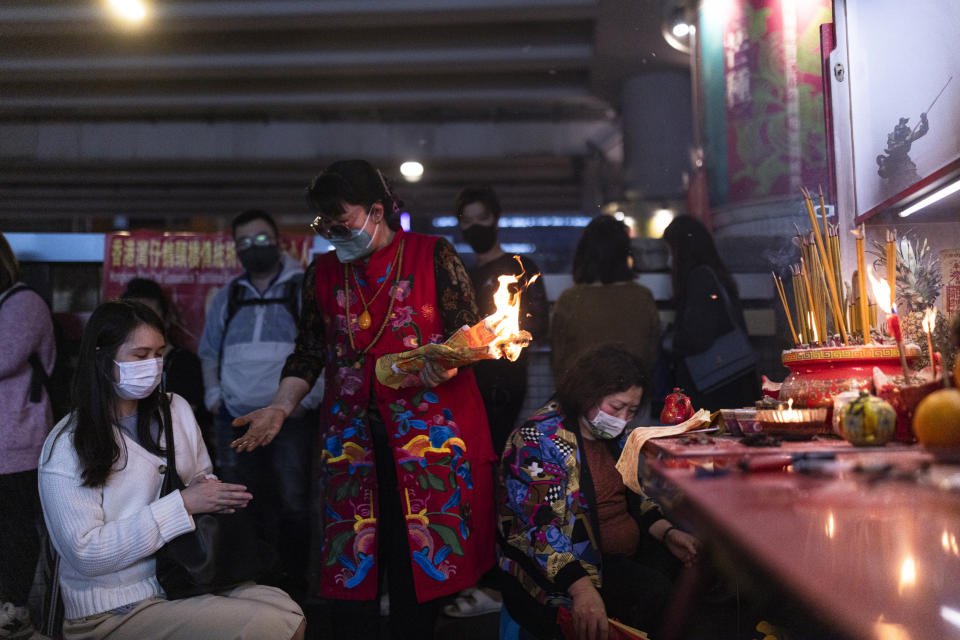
39, 379
234, 302
171, 479
725, 297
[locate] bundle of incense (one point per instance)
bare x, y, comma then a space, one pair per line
818, 289
833, 243
891, 247
786, 307
815, 329
860, 234
799, 299
832, 285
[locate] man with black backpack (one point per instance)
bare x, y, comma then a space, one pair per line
250, 330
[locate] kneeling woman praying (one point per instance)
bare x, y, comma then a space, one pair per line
571, 534
101, 472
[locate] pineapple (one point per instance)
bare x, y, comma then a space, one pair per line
918, 286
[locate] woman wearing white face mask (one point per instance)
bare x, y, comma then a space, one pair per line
101, 470
573, 535
408, 472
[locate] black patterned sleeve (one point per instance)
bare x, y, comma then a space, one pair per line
458, 304
310, 350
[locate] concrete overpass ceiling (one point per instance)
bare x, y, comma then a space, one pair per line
399, 70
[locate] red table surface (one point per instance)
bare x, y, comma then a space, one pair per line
861, 556
677, 447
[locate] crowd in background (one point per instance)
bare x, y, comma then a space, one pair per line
280, 415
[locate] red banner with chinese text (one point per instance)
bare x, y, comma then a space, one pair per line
189, 267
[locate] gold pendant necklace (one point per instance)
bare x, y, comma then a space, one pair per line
360, 318
364, 321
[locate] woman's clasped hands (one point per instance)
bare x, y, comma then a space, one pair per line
210, 495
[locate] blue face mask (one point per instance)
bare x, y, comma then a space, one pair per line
359, 245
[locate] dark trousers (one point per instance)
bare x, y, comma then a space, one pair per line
278, 476
20, 522
409, 619
503, 387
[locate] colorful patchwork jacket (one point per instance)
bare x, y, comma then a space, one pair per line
547, 522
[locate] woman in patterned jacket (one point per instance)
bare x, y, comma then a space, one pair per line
571, 534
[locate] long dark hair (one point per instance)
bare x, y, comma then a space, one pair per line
603, 252
692, 246
598, 373
355, 182
9, 269
94, 399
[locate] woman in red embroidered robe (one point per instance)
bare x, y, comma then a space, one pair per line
408, 472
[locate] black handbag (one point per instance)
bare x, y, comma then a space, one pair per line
222, 552
727, 358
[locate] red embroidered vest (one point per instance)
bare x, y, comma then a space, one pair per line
439, 437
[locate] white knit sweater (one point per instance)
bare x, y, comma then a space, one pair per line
107, 536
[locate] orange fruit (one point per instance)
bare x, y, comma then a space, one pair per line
936, 421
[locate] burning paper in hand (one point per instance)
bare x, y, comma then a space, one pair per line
496, 336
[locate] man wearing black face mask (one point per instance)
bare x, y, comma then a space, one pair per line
250, 330
503, 384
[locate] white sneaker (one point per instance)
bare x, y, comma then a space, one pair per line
470, 602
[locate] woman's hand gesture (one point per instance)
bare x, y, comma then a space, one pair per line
589, 613
209, 495
264, 426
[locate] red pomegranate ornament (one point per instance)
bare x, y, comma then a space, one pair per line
676, 408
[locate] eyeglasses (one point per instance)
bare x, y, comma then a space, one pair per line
260, 240
330, 229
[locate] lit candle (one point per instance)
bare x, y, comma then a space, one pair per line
929, 322
882, 293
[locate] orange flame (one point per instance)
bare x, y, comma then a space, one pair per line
881, 292
929, 319
505, 321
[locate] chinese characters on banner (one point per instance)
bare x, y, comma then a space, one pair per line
950, 262
190, 267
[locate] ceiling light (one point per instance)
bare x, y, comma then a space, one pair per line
936, 196
677, 26
412, 171
129, 10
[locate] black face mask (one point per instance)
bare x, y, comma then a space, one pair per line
259, 259
480, 237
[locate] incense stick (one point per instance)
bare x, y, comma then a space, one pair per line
821, 249
786, 307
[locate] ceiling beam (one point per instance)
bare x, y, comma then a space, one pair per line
87, 17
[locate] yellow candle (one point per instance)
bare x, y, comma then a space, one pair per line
892, 265
862, 285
